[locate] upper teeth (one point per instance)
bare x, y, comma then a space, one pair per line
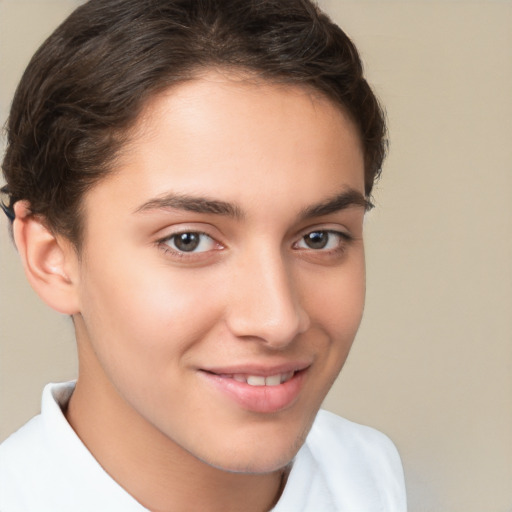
259, 380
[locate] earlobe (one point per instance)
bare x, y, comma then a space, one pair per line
50, 262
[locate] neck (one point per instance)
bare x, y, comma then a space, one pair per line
157, 472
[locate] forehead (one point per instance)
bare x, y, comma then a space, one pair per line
238, 139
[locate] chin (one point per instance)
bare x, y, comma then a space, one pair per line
267, 454
260, 465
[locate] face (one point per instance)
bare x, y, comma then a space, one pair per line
222, 277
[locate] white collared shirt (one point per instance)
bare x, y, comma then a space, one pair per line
342, 467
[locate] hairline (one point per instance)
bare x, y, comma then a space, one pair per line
127, 136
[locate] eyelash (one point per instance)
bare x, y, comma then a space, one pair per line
164, 244
344, 240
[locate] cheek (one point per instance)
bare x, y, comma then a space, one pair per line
144, 322
336, 301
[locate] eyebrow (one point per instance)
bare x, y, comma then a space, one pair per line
198, 204
348, 198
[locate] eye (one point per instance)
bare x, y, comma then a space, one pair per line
323, 240
190, 241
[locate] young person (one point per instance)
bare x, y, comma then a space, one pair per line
188, 180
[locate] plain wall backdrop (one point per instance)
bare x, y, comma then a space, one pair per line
432, 363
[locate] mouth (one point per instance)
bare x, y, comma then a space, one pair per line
258, 390
260, 380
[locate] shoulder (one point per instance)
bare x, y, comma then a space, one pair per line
20, 455
330, 430
44, 466
360, 456
23, 443
31, 445
28, 457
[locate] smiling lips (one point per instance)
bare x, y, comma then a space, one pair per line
256, 392
259, 380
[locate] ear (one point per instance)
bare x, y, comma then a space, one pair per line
50, 262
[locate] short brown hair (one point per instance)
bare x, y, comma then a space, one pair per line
88, 82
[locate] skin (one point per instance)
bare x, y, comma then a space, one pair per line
149, 320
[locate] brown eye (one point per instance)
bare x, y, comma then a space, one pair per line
187, 242
317, 239
323, 240
190, 242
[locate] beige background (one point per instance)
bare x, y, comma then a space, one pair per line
432, 366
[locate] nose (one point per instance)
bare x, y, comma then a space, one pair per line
265, 303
